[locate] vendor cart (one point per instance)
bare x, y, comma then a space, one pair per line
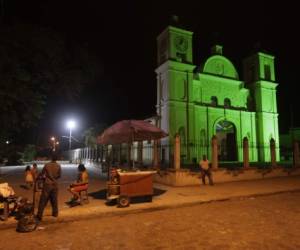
123, 186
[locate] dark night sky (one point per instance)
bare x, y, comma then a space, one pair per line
122, 35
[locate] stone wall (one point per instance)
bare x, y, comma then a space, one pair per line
184, 177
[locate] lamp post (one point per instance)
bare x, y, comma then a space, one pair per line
54, 143
70, 125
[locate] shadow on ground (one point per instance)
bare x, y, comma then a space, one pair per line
158, 192
24, 187
101, 194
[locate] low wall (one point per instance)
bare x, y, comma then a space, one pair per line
44, 162
184, 177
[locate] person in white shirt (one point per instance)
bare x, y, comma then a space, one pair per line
205, 170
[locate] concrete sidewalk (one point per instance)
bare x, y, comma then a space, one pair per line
172, 197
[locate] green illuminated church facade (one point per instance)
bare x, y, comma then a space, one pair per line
201, 102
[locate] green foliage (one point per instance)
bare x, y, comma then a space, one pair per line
29, 152
36, 65
10, 154
90, 135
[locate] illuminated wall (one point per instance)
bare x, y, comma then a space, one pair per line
199, 103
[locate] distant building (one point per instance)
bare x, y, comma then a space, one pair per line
200, 102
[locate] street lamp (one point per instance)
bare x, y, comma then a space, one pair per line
54, 143
70, 125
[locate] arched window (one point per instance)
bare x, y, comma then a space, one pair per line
214, 101
227, 103
267, 73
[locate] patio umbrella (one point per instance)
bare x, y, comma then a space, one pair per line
128, 131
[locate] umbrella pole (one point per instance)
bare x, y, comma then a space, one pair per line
132, 152
132, 156
107, 162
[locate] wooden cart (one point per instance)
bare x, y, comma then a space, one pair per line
125, 185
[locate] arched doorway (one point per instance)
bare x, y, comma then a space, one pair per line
226, 135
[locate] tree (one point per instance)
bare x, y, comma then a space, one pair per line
90, 135
36, 65
29, 153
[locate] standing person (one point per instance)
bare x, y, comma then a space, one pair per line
51, 172
34, 171
28, 177
205, 170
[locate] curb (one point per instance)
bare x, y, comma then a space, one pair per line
68, 219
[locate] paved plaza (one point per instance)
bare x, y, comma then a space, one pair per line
164, 196
260, 214
264, 222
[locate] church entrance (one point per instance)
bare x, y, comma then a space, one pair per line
226, 135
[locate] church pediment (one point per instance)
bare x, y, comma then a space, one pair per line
221, 66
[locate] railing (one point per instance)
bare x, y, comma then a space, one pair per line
144, 155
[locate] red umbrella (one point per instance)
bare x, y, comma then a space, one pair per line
130, 131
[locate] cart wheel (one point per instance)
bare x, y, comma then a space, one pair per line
123, 201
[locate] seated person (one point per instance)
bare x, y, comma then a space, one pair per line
81, 183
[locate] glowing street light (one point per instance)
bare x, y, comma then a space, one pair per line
54, 143
70, 125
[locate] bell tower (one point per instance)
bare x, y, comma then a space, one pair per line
259, 74
174, 44
174, 82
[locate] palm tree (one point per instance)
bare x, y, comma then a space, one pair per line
90, 135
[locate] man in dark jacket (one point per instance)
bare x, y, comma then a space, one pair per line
51, 172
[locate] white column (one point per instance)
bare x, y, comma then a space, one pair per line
177, 152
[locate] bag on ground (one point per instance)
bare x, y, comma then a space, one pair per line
27, 224
27, 221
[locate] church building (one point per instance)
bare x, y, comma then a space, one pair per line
201, 102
